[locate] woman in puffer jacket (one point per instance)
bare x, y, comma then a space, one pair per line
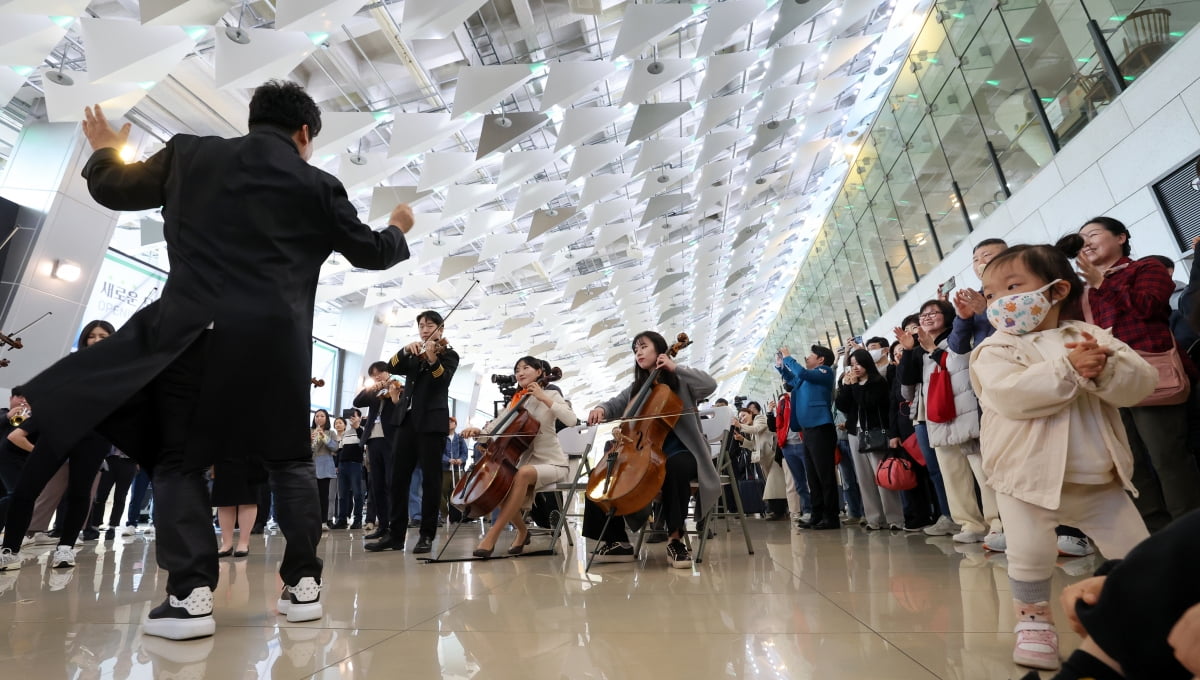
956, 443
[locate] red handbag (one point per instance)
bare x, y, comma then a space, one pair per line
913, 448
940, 406
895, 473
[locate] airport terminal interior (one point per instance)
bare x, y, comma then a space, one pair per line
809, 190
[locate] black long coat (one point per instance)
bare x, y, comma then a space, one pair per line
247, 224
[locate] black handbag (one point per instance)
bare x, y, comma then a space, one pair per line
874, 440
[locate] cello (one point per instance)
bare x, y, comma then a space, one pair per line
633, 472
484, 487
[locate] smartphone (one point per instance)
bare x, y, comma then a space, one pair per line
858, 339
347, 412
946, 287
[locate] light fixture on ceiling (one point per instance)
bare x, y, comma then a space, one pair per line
58, 77
235, 33
503, 121
67, 270
654, 68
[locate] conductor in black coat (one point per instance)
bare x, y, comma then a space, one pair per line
422, 420
248, 223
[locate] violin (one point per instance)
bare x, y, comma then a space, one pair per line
488, 482
317, 382
635, 467
11, 340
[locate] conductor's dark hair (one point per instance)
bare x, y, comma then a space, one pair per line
285, 105
430, 316
93, 325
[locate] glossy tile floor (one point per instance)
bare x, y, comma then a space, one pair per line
825, 605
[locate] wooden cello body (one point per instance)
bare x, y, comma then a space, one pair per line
486, 484
633, 472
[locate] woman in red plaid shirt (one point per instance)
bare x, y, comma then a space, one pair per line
1132, 298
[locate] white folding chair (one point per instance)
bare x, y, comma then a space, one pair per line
714, 423
577, 444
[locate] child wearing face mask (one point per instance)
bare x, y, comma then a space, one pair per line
1054, 449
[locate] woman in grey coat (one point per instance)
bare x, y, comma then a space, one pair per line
688, 455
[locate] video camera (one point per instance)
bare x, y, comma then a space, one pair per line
503, 381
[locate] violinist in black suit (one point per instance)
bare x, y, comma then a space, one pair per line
248, 223
379, 434
422, 420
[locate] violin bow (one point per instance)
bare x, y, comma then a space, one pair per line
442, 325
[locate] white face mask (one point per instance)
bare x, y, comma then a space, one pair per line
1020, 313
877, 354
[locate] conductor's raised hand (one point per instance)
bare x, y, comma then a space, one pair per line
99, 133
402, 217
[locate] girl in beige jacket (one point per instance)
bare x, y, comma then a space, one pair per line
543, 464
1054, 448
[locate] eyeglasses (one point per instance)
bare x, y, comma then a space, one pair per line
928, 315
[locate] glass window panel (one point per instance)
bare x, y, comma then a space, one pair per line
1145, 31
932, 56
937, 192
962, 19
885, 135
907, 103
963, 139
998, 88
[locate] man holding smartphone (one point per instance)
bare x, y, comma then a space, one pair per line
811, 386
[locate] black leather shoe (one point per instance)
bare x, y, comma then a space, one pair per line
378, 533
801, 524
827, 524
424, 545
388, 542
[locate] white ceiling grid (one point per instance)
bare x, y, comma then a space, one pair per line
644, 167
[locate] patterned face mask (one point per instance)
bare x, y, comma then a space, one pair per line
1021, 313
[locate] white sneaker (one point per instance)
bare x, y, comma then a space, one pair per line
966, 536
9, 561
1073, 546
995, 542
943, 527
63, 557
301, 602
128, 531
184, 619
148, 532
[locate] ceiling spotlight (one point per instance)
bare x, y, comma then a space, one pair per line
66, 270
881, 70
238, 35
503, 121
654, 68
663, 179
358, 159
760, 181
550, 212
773, 125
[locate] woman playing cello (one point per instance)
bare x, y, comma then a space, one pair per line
688, 455
544, 463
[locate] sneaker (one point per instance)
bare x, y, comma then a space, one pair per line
301, 602
943, 527
614, 552
806, 517
9, 561
44, 538
128, 530
89, 535
355, 527
966, 536
63, 557
110, 534
1073, 546
995, 542
148, 532
678, 555
1037, 646
184, 619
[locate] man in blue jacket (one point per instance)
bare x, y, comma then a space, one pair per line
811, 386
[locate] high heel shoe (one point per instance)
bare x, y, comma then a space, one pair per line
484, 552
518, 549
225, 553
241, 553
